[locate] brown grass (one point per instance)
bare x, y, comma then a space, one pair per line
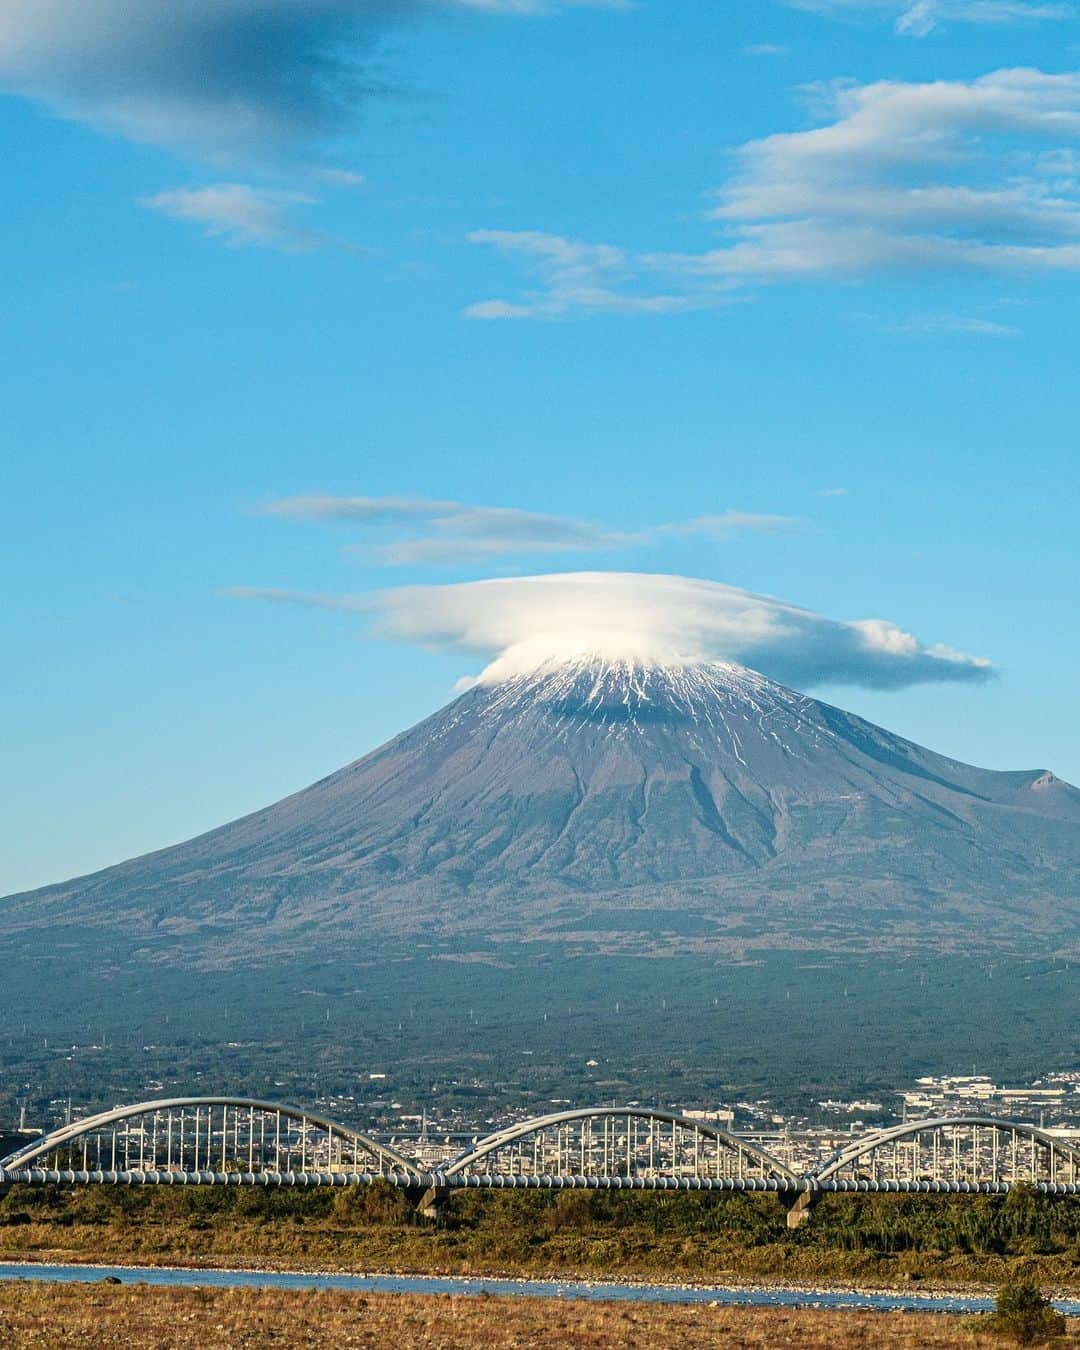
138, 1317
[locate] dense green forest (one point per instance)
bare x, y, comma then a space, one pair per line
518, 1028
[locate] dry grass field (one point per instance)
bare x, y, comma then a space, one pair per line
69, 1317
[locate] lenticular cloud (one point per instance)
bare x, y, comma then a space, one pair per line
520, 623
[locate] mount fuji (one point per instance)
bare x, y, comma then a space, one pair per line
620, 806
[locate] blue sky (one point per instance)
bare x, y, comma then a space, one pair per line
778, 296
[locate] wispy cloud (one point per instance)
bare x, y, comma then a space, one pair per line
520, 621
955, 177
240, 214
345, 178
730, 522
969, 325
574, 278
919, 18
440, 532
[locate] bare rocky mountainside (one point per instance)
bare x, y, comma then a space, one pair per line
620, 808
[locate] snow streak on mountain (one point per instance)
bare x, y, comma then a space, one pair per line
618, 805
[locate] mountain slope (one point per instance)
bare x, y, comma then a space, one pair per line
618, 804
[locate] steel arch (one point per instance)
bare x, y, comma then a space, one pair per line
67, 1134
868, 1143
514, 1133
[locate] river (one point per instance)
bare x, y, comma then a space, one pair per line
598, 1291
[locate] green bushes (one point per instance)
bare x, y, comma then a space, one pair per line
1023, 1314
377, 1205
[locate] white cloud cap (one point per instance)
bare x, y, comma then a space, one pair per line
525, 622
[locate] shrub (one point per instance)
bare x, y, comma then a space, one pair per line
1023, 1313
376, 1205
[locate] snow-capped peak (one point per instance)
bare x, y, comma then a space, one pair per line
629, 694
612, 651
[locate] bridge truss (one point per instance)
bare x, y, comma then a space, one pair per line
207, 1141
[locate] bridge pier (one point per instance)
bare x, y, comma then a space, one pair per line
430, 1202
800, 1207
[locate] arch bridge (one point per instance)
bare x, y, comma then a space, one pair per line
955, 1151
626, 1142
206, 1138
206, 1141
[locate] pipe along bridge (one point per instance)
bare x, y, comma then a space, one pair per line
236, 1141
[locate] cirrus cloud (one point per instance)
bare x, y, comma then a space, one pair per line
519, 622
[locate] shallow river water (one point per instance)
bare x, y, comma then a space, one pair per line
749, 1296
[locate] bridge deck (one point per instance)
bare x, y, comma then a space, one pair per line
443, 1181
